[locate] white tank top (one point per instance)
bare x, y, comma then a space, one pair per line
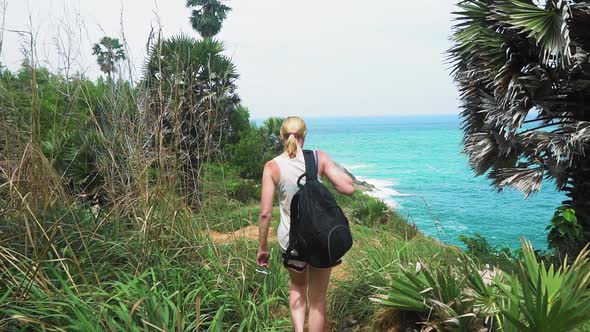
291, 170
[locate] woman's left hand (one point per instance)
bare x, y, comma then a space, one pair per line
262, 258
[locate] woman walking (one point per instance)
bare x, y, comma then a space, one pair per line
308, 284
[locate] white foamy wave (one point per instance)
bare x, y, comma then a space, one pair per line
383, 190
384, 184
357, 166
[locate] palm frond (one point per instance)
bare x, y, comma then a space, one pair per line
548, 26
525, 179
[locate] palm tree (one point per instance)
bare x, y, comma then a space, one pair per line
191, 92
271, 129
108, 52
524, 79
207, 17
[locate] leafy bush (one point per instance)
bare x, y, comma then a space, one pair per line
535, 297
480, 249
223, 181
401, 227
238, 124
437, 296
565, 231
245, 191
540, 297
251, 153
371, 211
255, 146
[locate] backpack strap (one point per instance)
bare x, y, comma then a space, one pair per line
311, 167
317, 160
311, 173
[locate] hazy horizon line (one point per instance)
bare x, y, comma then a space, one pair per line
421, 115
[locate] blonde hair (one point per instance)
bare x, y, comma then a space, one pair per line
292, 129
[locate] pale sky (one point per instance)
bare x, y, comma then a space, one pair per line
304, 57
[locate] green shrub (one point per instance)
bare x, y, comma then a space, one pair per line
540, 297
216, 175
227, 216
565, 233
371, 211
251, 153
437, 296
401, 227
238, 124
478, 248
535, 297
477, 245
245, 191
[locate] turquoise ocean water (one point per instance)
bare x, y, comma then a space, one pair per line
417, 165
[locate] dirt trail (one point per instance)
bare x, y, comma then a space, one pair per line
248, 232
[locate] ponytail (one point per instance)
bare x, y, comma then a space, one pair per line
292, 129
291, 146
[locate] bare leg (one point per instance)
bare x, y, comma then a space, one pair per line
317, 289
298, 298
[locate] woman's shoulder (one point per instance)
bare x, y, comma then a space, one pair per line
323, 155
271, 164
272, 168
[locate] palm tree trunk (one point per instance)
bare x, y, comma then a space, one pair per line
579, 195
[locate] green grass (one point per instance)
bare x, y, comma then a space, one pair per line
212, 286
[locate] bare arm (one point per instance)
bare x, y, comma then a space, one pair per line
266, 200
341, 181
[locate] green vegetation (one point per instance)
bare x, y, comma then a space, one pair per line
478, 248
96, 230
564, 232
122, 283
109, 52
187, 110
207, 16
374, 260
120, 203
460, 297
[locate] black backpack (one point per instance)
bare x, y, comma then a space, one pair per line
319, 230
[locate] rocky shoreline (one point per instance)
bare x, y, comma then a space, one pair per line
358, 184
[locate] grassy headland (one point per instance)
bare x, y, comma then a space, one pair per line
132, 206
97, 233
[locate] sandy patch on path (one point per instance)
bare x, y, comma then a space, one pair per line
249, 232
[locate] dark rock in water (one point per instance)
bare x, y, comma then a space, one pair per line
360, 185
